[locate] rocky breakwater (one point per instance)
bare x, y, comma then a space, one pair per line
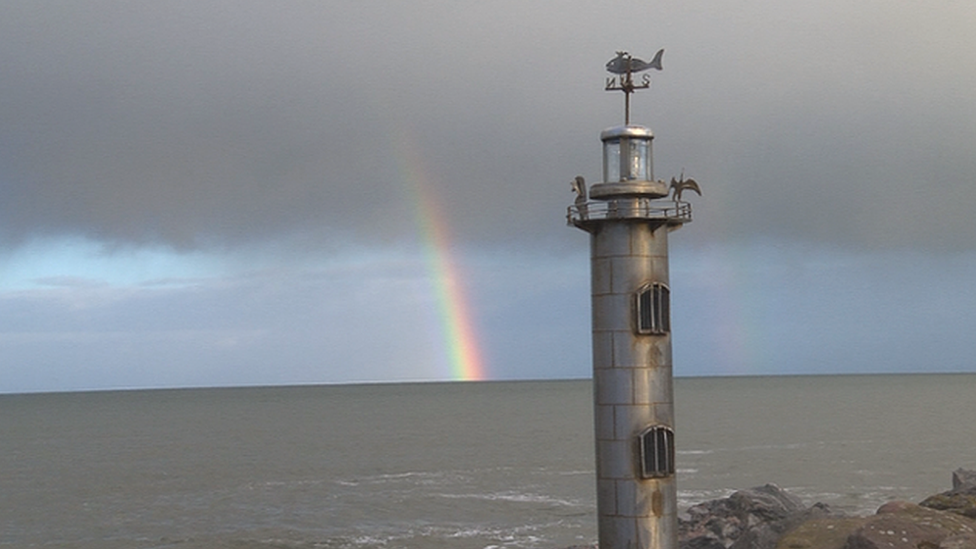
767, 517
961, 499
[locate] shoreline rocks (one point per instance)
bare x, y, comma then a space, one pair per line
767, 517
961, 500
897, 525
747, 519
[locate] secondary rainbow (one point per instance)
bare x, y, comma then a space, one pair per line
454, 314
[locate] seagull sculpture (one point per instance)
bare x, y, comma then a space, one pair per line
579, 187
682, 184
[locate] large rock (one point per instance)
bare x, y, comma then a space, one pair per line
766, 535
769, 518
963, 479
821, 533
702, 542
959, 541
897, 525
748, 519
960, 504
961, 500
903, 525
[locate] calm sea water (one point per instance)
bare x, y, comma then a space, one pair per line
453, 465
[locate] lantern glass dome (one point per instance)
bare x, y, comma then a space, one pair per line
627, 154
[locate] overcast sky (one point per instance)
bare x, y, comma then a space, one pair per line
229, 193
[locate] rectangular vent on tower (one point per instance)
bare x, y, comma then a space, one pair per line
657, 452
654, 309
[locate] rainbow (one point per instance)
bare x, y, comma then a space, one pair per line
454, 314
741, 344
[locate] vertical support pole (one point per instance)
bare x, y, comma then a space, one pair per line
626, 107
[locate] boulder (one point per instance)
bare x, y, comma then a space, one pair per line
897, 525
903, 525
767, 534
961, 500
767, 517
959, 541
702, 542
963, 479
748, 519
960, 504
821, 533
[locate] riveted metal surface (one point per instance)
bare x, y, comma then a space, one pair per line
659, 270
613, 240
615, 459
630, 420
606, 496
627, 495
670, 490
617, 531
603, 417
630, 273
613, 386
603, 350
663, 413
601, 275
656, 532
652, 385
646, 242
611, 312
633, 351
661, 351
652, 497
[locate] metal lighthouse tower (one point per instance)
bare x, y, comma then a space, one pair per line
629, 216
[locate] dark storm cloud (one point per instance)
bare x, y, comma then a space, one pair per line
221, 123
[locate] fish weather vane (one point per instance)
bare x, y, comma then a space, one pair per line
625, 66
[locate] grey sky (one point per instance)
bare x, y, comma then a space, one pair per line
264, 140
194, 124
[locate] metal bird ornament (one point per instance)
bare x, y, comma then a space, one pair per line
680, 185
579, 187
624, 63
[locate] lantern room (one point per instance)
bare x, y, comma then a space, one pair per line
628, 164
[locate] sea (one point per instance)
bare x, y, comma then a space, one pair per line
444, 465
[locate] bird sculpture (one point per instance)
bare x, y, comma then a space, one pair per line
579, 187
680, 185
624, 63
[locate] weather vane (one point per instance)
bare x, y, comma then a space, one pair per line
625, 65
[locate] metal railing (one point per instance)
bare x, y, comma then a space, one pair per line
630, 208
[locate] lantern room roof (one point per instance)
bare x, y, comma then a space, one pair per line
630, 130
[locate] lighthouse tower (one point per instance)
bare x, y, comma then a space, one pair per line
629, 216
